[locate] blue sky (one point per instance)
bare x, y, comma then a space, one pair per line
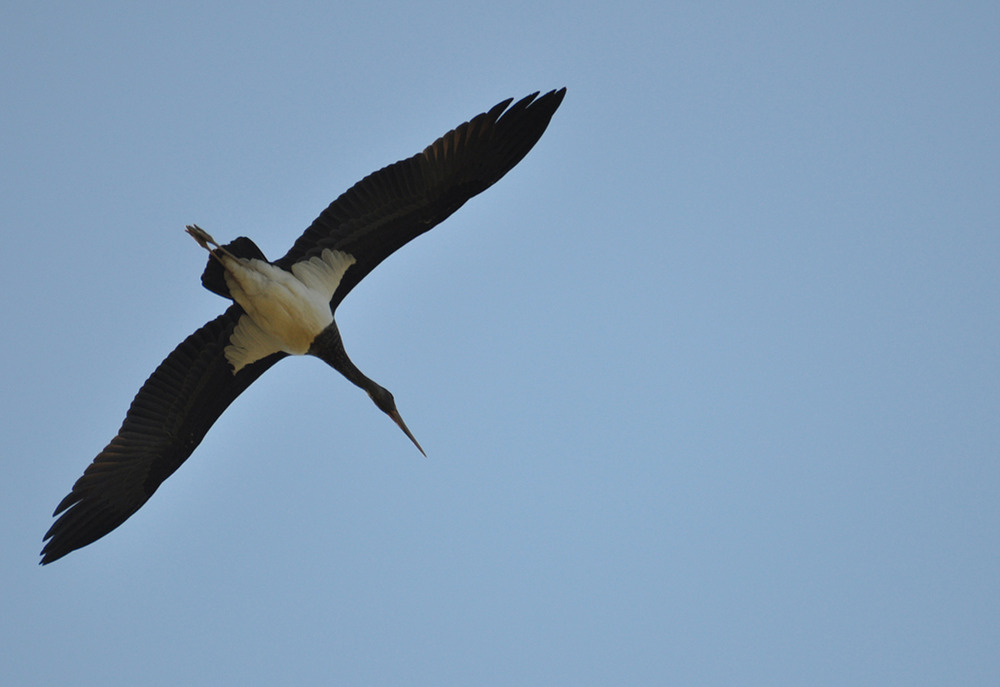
709, 384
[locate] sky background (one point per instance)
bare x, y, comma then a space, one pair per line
709, 383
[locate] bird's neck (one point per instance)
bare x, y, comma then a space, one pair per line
329, 347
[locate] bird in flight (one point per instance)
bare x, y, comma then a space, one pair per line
287, 307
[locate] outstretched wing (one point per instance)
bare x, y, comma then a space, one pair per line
390, 207
168, 418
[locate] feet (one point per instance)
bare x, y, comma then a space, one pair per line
201, 236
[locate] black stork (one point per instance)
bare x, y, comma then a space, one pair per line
285, 308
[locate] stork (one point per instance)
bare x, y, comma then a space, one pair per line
287, 307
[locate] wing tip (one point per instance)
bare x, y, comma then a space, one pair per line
84, 523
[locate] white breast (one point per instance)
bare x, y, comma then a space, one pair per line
284, 310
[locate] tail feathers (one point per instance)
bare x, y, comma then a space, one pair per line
213, 278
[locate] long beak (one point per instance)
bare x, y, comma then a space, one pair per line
402, 425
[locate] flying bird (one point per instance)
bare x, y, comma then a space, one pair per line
287, 307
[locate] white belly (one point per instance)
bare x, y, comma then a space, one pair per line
284, 310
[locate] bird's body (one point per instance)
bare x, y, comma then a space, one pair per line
287, 307
283, 310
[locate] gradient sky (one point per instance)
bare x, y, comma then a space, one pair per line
709, 383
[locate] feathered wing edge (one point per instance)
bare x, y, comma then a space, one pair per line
168, 418
390, 207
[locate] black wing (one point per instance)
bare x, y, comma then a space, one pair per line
168, 418
390, 207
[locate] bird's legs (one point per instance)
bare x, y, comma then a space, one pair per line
205, 240
201, 236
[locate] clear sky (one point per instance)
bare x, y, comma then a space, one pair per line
709, 384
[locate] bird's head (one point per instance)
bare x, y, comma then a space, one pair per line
387, 404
